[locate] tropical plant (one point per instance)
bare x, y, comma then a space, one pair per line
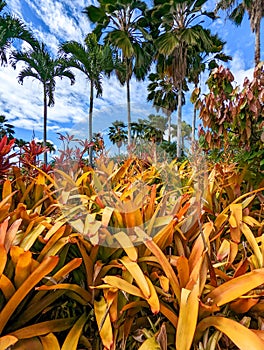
41, 66
163, 94
124, 27
236, 10
186, 133
93, 60
179, 29
6, 128
12, 28
199, 62
118, 134
233, 119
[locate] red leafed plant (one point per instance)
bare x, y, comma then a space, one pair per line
5, 156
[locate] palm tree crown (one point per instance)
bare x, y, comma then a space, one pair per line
12, 28
41, 66
92, 59
124, 24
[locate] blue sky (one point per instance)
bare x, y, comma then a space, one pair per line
54, 22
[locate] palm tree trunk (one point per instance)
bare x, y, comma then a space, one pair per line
90, 123
179, 121
193, 124
45, 115
128, 114
257, 44
169, 126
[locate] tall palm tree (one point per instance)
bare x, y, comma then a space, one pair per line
179, 28
236, 10
92, 59
124, 26
186, 133
163, 94
41, 66
12, 28
118, 134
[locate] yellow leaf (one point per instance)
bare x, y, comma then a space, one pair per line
220, 219
42, 270
68, 286
7, 341
104, 322
236, 287
125, 242
50, 342
252, 242
153, 300
163, 261
72, 339
224, 250
188, 316
150, 344
42, 328
30, 239
137, 274
123, 285
241, 336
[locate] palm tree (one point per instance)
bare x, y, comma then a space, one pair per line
118, 134
12, 28
41, 66
185, 135
236, 10
179, 30
93, 60
164, 96
124, 24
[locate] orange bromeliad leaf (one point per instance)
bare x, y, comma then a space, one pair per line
253, 243
23, 268
42, 270
3, 258
235, 220
72, 339
126, 243
7, 287
6, 341
183, 270
71, 287
104, 322
163, 261
241, 336
137, 274
49, 342
153, 300
120, 283
188, 316
42, 328
236, 287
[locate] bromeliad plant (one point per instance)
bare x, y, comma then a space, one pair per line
114, 258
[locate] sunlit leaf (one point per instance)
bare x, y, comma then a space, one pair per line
49, 342
42, 270
72, 339
241, 336
103, 322
236, 287
137, 274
